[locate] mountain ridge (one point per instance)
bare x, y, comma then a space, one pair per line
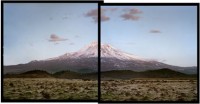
85, 61
159, 73
113, 74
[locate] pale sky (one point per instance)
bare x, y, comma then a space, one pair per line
36, 31
164, 33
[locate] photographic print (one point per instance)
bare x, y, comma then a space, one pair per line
149, 53
50, 51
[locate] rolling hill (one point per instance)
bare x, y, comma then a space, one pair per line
61, 74
159, 73
85, 61
113, 74
30, 74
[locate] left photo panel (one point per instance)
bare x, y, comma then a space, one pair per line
50, 51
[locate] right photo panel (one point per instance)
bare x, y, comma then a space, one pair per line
149, 53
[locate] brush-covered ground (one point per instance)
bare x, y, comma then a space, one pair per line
149, 90
50, 89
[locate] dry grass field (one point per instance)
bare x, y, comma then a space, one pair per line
149, 90
49, 88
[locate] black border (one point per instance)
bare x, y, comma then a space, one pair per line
99, 52
100, 3
2, 33
162, 4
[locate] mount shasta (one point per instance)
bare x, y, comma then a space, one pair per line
86, 61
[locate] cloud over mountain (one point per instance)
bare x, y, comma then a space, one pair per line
55, 38
131, 14
155, 31
93, 14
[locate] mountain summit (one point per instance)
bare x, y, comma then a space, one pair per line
85, 61
107, 51
88, 51
91, 50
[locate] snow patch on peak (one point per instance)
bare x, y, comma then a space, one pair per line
88, 51
107, 51
110, 52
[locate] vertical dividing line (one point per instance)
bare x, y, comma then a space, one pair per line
2, 64
198, 50
99, 52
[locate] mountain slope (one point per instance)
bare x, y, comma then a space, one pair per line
114, 74
30, 74
128, 74
61, 74
85, 61
107, 51
115, 59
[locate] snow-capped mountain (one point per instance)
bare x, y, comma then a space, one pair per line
115, 59
91, 50
85, 60
107, 51
88, 51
